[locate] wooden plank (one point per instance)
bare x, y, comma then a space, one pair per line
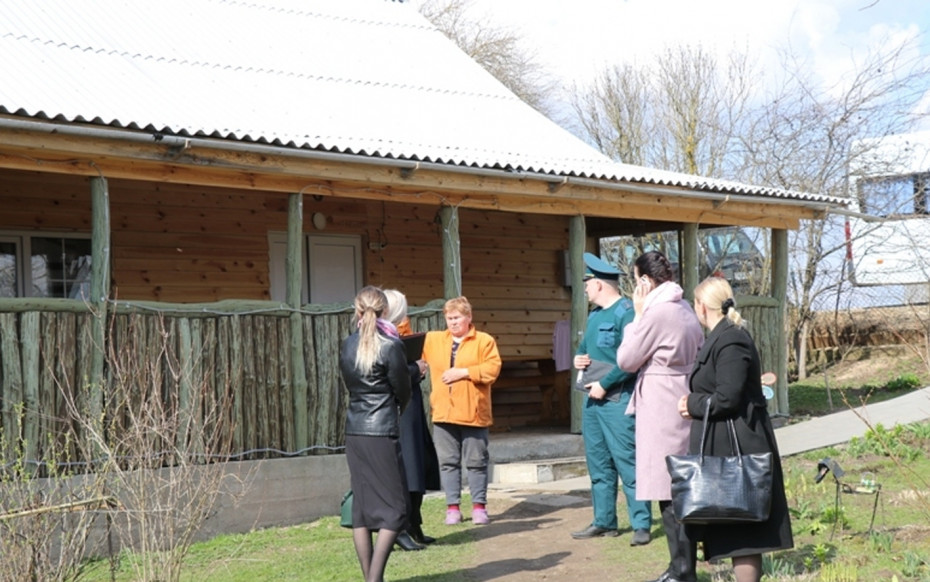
29, 331
251, 431
51, 427
11, 388
293, 393
313, 382
187, 409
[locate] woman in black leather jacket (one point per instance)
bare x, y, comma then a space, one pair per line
374, 368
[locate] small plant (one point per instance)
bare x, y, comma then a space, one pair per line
803, 510
913, 564
777, 567
881, 541
903, 382
835, 515
822, 553
887, 443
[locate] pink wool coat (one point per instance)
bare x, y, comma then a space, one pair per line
662, 345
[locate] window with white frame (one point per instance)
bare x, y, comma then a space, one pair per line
45, 265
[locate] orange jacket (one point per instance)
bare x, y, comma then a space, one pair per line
466, 402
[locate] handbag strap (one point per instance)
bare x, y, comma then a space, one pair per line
731, 433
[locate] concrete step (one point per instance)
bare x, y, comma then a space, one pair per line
538, 471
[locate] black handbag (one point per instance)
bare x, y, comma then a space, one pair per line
709, 489
345, 510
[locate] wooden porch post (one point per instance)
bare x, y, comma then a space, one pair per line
688, 260
780, 292
298, 369
99, 289
576, 246
451, 252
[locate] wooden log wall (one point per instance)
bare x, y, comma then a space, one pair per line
219, 379
186, 244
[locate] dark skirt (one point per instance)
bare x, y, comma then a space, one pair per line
379, 485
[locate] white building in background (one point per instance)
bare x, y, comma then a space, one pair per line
890, 183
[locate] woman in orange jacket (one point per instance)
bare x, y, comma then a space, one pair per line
463, 363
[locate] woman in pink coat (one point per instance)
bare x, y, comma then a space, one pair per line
661, 342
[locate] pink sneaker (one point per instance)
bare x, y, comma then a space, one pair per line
479, 516
453, 516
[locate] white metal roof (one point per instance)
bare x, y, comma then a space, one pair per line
365, 77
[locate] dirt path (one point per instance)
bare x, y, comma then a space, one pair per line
529, 539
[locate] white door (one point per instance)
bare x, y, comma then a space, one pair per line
335, 266
333, 262
277, 276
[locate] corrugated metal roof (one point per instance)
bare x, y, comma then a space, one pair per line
367, 77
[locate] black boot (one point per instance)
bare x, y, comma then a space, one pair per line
681, 548
416, 532
407, 543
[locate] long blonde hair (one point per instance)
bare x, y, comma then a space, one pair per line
715, 293
370, 303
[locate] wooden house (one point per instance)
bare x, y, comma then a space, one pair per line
221, 177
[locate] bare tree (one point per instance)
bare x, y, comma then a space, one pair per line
614, 113
680, 112
803, 140
499, 50
688, 113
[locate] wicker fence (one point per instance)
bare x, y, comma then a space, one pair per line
185, 356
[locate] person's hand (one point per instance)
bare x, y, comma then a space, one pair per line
643, 286
596, 391
582, 361
421, 364
453, 375
683, 407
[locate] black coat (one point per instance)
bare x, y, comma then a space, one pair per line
728, 371
416, 442
376, 399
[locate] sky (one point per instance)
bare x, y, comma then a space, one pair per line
575, 39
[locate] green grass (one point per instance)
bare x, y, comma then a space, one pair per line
811, 398
832, 544
321, 551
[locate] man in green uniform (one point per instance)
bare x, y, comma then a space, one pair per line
608, 432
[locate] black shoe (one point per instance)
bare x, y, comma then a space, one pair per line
419, 537
666, 577
592, 531
406, 543
641, 537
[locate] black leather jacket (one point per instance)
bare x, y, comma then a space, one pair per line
375, 400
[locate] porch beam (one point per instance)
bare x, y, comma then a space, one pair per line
688, 259
293, 275
577, 238
780, 292
451, 252
99, 289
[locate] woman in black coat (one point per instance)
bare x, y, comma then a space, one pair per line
416, 442
728, 372
374, 368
